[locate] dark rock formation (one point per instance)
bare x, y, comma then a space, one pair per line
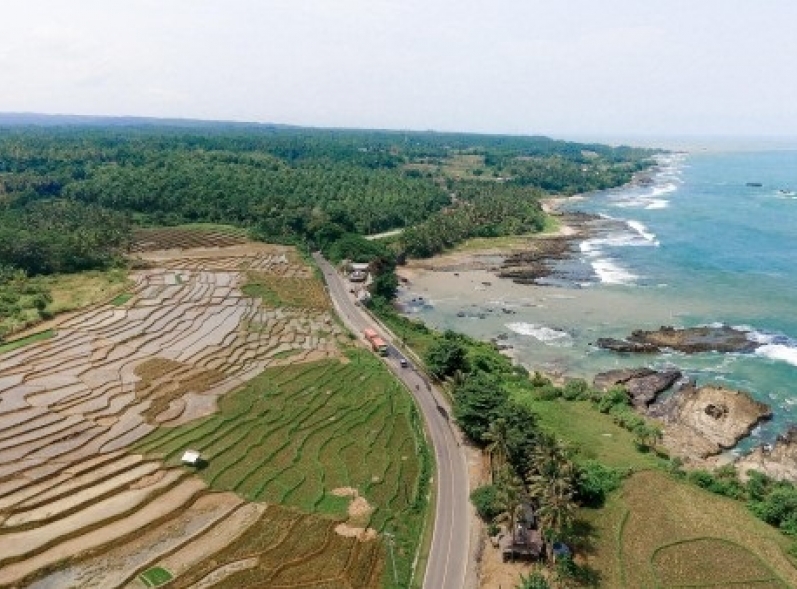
644, 390
527, 266
689, 340
621, 345
643, 385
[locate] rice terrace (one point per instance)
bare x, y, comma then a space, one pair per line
310, 449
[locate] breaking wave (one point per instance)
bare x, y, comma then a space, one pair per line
547, 335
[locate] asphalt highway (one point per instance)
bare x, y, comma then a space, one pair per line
448, 558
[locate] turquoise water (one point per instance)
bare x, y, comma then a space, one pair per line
698, 246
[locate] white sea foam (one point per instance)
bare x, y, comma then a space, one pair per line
649, 200
662, 190
547, 335
642, 230
783, 352
640, 236
773, 346
609, 272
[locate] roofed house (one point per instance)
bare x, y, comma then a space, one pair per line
191, 458
526, 543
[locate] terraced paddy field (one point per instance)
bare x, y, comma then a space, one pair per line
92, 421
186, 237
662, 533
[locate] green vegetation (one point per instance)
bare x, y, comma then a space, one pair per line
285, 291
26, 301
661, 532
52, 236
155, 577
297, 433
570, 449
122, 299
71, 194
24, 341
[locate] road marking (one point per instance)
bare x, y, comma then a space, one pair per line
437, 431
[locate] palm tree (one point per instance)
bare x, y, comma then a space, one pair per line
509, 497
648, 435
497, 449
552, 476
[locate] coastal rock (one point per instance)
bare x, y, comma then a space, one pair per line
606, 380
644, 390
778, 460
697, 339
703, 421
621, 345
688, 340
531, 264
643, 385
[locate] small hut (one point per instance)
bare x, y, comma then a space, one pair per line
191, 458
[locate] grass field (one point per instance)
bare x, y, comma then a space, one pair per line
286, 291
296, 433
24, 341
156, 576
592, 433
67, 292
662, 533
121, 299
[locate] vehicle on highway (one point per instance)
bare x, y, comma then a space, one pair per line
377, 343
404, 363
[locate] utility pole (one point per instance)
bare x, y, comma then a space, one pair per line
389, 539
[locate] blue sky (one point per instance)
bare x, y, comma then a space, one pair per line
567, 67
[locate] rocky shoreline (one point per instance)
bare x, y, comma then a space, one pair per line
689, 340
536, 260
700, 424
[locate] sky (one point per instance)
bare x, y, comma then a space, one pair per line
570, 68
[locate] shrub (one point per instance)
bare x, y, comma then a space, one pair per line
702, 478
520, 370
575, 389
485, 500
614, 397
779, 508
548, 392
539, 379
595, 481
722, 482
534, 580
758, 485
792, 550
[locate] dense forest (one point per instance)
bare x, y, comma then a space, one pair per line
70, 194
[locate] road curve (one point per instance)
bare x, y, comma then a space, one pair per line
448, 558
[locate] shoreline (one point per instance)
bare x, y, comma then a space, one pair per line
466, 282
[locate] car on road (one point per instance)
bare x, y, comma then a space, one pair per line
403, 362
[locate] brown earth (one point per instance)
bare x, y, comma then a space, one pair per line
701, 422
73, 502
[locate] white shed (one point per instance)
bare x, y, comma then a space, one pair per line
191, 457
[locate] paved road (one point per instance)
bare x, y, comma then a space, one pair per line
448, 558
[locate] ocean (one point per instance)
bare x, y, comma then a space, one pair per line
712, 239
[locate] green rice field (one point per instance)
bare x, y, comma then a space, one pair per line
296, 433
